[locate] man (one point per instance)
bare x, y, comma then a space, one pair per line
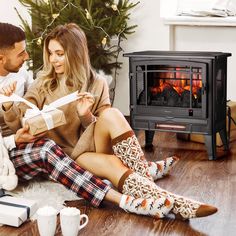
13, 54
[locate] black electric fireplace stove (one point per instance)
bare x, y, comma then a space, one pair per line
183, 92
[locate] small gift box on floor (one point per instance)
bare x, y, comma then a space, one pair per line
15, 211
230, 125
44, 121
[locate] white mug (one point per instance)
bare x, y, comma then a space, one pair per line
47, 221
70, 218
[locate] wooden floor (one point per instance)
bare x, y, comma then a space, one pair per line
213, 182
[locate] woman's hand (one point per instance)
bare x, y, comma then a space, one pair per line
84, 103
23, 136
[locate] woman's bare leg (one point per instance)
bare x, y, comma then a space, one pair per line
103, 165
113, 134
110, 124
113, 196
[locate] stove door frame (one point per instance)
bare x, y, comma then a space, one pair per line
163, 111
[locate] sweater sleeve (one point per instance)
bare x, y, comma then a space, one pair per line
101, 90
87, 119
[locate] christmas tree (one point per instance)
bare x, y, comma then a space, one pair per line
105, 24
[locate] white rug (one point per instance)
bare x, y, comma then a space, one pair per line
45, 193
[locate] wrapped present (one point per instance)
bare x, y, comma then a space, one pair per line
15, 211
44, 120
47, 118
230, 125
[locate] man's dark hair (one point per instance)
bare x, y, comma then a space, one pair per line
9, 35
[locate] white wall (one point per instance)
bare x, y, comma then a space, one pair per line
151, 34
210, 38
8, 13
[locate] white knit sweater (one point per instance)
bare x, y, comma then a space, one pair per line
8, 177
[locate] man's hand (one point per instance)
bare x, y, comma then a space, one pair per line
8, 91
23, 136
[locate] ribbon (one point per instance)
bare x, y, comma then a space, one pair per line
17, 205
34, 111
44, 112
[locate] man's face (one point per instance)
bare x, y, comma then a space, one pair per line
14, 58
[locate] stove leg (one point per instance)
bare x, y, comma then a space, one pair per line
224, 138
210, 142
136, 132
149, 135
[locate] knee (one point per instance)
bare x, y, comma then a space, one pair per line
111, 114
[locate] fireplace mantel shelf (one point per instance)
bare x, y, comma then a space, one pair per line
200, 21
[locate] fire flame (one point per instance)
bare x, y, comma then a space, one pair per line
178, 81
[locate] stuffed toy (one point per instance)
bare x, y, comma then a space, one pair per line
8, 177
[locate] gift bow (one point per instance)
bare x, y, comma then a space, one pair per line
34, 111
44, 112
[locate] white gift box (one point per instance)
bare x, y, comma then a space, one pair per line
14, 211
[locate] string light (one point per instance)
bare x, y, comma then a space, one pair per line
114, 7
88, 16
54, 16
46, 1
39, 41
104, 41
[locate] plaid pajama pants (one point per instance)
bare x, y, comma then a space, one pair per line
45, 156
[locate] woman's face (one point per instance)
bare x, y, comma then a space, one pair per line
56, 56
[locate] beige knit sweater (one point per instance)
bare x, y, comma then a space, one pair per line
71, 137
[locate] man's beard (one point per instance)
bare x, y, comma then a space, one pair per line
12, 68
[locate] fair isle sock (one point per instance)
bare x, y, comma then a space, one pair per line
161, 168
127, 148
184, 208
158, 208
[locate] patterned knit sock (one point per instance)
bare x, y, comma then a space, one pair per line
184, 208
158, 208
162, 168
128, 149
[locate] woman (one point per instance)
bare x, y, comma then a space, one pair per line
96, 136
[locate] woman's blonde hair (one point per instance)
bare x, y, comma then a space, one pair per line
78, 71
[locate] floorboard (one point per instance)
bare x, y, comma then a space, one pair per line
194, 176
